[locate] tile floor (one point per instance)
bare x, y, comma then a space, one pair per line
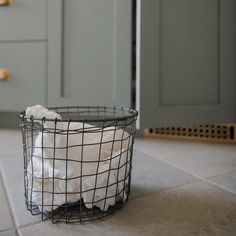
178, 188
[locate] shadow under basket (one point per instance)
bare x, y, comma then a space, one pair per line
77, 167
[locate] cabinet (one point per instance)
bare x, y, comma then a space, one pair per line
23, 54
23, 20
65, 53
78, 52
26, 62
89, 52
187, 62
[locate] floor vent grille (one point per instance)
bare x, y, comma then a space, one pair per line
222, 132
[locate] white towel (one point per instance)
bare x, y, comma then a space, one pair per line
111, 182
56, 176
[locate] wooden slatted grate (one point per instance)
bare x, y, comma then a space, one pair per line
221, 132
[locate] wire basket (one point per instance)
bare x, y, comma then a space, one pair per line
78, 168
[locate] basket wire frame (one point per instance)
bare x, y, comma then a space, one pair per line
101, 120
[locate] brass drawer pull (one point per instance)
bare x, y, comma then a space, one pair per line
5, 74
5, 2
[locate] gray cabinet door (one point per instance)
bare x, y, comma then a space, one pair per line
187, 58
23, 20
89, 44
27, 87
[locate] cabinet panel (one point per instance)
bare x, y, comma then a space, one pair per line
189, 52
26, 62
187, 62
89, 48
90, 53
23, 19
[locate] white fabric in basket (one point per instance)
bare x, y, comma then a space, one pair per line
58, 170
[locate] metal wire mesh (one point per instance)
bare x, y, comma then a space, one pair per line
78, 168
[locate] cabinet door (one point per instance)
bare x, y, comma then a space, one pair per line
23, 20
188, 58
89, 52
27, 87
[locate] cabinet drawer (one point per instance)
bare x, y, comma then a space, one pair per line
23, 19
26, 63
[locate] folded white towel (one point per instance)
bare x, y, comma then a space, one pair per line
60, 159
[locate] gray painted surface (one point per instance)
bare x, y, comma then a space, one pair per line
23, 20
189, 52
90, 57
9, 120
188, 57
26, 61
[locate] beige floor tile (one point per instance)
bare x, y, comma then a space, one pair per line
5, 217
227, 181
150, 175
47, 228
194, 209
11, 141
11, 232
197, 208
12, 171
203, 160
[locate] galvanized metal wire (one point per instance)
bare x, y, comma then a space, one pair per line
100, 120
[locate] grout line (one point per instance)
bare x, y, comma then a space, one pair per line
220, 175
167, 189
31, 224
8, 202
11, 207
187, 172
182, 185
206, 179
222, 187
171, 165
8, 231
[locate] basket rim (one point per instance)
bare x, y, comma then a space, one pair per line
132, 114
